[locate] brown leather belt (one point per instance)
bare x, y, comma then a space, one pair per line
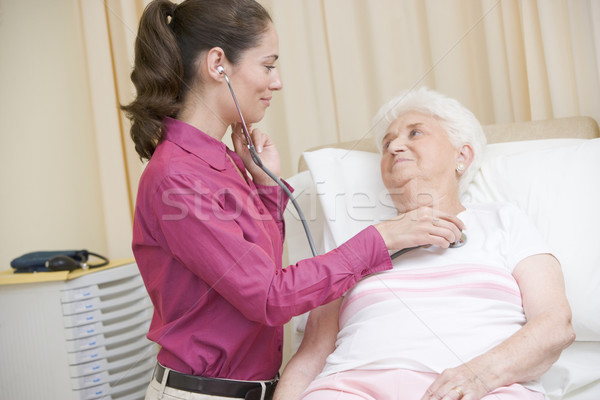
214, 386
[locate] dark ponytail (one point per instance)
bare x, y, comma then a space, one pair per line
170, 39
157, 77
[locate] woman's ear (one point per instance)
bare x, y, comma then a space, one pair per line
464, 158
215, 58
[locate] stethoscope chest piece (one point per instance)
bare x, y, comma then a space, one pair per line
461, 242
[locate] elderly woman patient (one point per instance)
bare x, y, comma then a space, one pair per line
481, 321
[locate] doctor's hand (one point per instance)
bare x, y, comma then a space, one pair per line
265, 148
423, 226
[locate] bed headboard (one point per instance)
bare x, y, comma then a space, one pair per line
569, 127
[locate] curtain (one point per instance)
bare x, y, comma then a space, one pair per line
506, 60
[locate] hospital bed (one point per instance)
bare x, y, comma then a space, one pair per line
550, 169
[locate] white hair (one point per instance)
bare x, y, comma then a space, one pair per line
461, 126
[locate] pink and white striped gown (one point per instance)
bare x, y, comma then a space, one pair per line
438, 308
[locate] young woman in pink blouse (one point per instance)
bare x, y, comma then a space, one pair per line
208, 227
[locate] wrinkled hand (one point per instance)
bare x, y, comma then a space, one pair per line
423, 226
265, 148
461, 383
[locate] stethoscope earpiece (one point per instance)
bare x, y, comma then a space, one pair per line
220, 69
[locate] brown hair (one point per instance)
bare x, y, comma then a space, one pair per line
170, 38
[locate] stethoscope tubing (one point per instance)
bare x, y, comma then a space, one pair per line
259, 163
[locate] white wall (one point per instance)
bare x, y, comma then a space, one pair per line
49, 178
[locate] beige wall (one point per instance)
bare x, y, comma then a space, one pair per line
51, 176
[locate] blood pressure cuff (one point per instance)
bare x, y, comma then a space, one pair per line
36, 261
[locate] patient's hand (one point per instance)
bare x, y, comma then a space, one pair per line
530, 351
419, 227
460, 383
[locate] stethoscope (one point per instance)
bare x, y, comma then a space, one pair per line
461, 242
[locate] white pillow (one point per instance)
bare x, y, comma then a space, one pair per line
555, 181
350, 191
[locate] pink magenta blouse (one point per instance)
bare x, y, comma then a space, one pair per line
208, 244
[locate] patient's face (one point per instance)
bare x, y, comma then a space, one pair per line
416, 149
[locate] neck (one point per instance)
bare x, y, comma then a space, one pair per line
200, 115
414, 195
